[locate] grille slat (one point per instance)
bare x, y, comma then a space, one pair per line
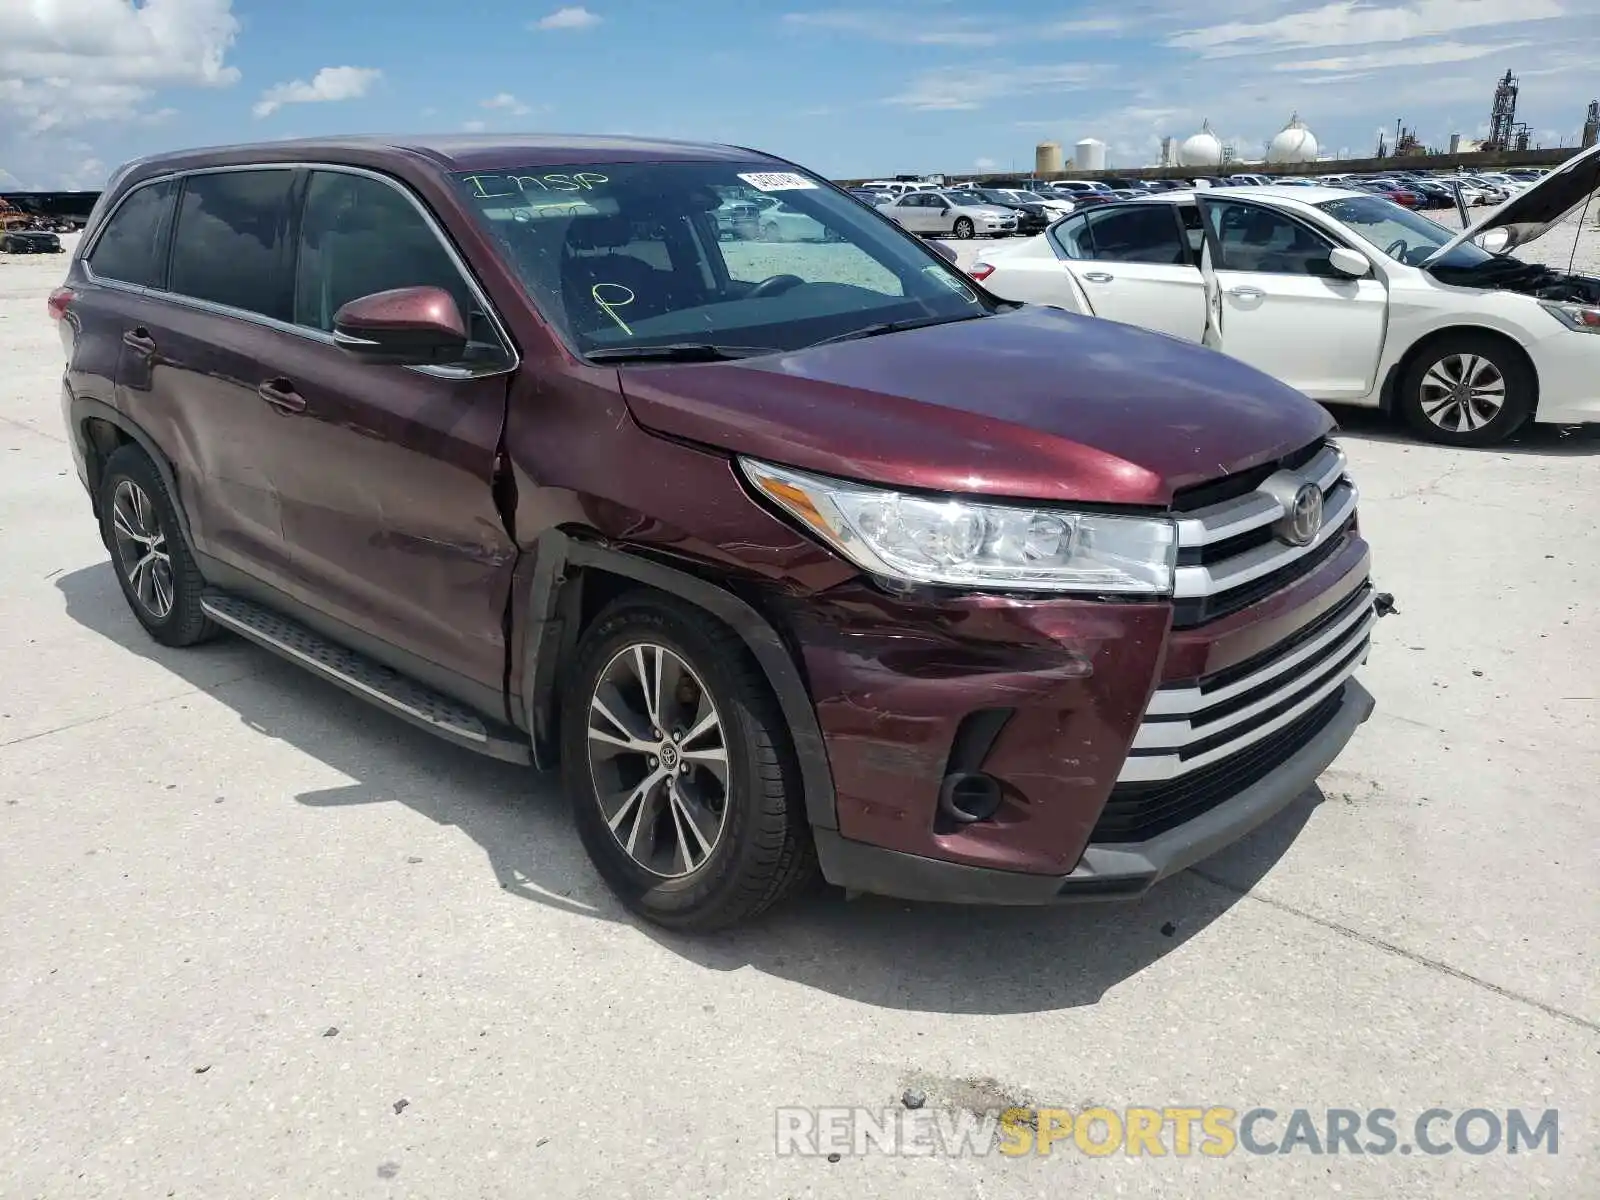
1190, 726
1137, 812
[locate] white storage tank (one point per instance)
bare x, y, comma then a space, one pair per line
1294, 144
1089, 155
1202, 150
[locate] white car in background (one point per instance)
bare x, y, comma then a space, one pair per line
949, 214
777, 222
1344, 295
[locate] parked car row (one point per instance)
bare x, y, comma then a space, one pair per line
1412, 189
1345, 294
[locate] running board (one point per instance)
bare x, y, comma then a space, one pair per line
367, 679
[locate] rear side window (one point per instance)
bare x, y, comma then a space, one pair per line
1144, 233
131, 248
1073, 238
230, 240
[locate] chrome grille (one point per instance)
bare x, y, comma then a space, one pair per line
1190, 726
1229, 555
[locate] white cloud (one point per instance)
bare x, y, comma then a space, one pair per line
474, 126
576, 17
66, 63
1086, 26
506, 102
87, 176
328, 84
943, 91
985, 164
917, 28
1358, 22
1400, 56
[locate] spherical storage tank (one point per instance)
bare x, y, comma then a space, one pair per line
1294, 144
1047, 159
1201, 150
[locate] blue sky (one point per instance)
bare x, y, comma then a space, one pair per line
902, 85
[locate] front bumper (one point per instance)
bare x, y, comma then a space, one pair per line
1106, 871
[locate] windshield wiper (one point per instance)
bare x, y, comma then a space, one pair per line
678, 352
883, 327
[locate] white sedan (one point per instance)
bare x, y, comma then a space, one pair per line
1345, 295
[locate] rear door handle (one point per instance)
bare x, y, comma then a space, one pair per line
1247, 293
281, 395
1097, 277
138, 338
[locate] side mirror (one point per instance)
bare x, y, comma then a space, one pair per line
1349, 263
409, 326
1495, 240
945, 252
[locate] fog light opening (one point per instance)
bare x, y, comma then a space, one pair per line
969, 797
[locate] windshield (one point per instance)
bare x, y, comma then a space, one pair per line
633, 255
1399, 232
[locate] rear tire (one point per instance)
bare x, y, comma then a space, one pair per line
1466, 389
153, 564
721, 834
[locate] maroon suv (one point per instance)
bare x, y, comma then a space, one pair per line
784, 551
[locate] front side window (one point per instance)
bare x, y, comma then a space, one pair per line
132, 248
1142, 233
360, 235
628, 256
1398, 232
1253, 238
230, 240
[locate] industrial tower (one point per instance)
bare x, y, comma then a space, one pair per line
1591, 125
1503, 117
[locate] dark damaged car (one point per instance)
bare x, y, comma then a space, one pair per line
786, 555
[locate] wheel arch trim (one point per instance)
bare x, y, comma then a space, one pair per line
1408, 357
84, 409
559, 560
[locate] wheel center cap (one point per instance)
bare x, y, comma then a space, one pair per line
669, 755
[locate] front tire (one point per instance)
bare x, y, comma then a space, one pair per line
1468, 390
157, 573
965, 228
680, 768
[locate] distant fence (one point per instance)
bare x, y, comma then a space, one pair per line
53, 206
1485, 160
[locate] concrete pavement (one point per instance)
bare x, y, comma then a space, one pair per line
243, 917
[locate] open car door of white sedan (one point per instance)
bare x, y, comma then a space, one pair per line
1134, 263
1283, 303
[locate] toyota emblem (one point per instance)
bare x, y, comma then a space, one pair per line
1303, 520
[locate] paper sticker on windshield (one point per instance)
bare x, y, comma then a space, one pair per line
777, 181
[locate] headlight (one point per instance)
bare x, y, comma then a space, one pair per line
1582, 317
951, 541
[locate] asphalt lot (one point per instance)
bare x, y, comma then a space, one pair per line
211, 862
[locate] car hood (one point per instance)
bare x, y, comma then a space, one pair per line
1534, 212
1036, 403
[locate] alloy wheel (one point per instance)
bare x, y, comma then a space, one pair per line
142, 549
1462, 392
658, 757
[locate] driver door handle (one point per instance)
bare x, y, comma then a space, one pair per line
281, 395
1247, 293
1098, 276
